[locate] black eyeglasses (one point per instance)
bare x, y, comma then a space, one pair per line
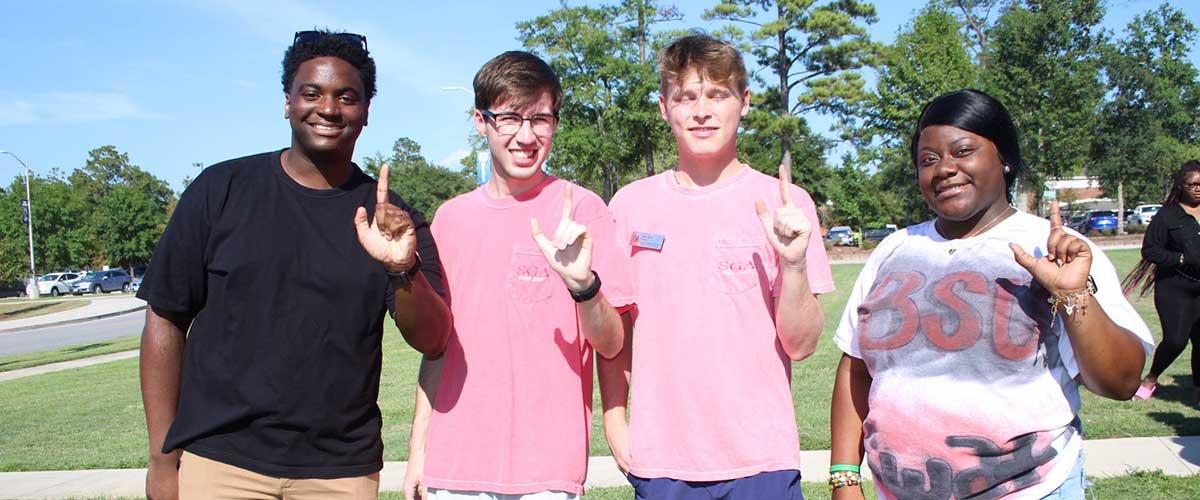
510, 123
313, 35
1191, 185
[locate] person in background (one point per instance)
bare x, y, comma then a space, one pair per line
1171, 263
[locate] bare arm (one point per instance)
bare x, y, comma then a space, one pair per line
601, 325
848, 410
614, 376
421, 315
1110, 358
428, 379
163, 339
798, 316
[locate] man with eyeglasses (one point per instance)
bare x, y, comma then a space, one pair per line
506, 413
267, 295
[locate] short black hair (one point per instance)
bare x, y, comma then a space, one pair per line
330, 46
980, 114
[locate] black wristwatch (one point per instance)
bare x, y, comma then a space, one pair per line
587, 293
404, 278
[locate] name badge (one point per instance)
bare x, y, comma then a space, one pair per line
648, 240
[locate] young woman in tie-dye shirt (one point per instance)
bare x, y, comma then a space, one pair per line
958, 380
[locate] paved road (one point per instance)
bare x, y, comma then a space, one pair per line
55, 337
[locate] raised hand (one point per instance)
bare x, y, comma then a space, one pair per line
789, 229
391, 238
570, 252
1067, 262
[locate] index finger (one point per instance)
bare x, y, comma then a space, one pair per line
1055, 217
785, 184
567, 201
381, 187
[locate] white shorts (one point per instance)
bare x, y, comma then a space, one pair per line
436, 494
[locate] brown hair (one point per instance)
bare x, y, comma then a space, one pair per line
1143, 274
712, 59
517, 77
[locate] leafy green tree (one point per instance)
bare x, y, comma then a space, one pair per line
1044, 65
609, 122
131, 217
929, 58
1150, 125
813, 52
422, 184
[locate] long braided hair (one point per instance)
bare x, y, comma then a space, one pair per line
1143, 274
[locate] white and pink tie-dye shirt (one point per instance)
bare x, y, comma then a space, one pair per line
973, 391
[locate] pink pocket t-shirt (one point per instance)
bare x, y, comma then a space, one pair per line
513, 409
711, 384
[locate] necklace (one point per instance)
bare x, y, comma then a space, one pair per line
979, 230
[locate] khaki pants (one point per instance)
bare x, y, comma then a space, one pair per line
204, 479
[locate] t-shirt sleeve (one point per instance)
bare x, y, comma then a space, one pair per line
177, 278
607, 260
846, 335
1115, 304
820, 276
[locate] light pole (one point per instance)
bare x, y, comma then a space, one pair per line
33, 289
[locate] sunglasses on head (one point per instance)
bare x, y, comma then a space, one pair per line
313, 35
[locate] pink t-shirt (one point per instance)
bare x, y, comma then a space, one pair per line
711, 384
513, 410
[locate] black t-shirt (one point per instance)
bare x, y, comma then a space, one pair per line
281, 368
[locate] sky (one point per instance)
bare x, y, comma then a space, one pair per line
175, 83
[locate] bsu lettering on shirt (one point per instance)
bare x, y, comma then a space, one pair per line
945, 330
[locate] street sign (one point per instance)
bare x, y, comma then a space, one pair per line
24, 211
1049, 195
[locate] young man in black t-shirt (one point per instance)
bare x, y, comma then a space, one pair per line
283, 265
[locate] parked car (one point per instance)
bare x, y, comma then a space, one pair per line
877, 234
55, 284
1142, 214
841, 236
102, 281
1100, 221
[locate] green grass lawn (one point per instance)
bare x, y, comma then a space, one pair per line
92, 417
31, 308
18, 361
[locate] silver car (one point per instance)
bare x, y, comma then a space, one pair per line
102, 281
55, 284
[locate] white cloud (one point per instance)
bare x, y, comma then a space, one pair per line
69, 107
453, 160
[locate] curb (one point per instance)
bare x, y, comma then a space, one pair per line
70, 321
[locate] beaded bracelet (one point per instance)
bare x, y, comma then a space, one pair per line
844, 478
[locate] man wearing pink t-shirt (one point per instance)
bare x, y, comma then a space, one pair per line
726, 265
506, 412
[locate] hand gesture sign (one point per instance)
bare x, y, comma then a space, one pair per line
789, 230
570, 253
391, 238
1067, 263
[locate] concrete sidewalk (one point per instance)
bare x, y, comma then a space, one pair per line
101, 306
1177, 456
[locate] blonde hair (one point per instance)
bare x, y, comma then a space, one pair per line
712, 59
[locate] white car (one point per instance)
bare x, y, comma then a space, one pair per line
1142, 214
55, 284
